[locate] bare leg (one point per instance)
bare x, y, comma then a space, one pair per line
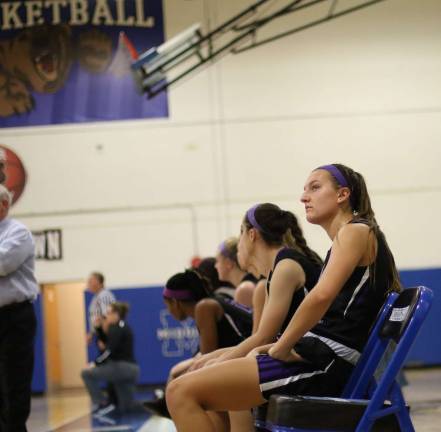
220, 420
241, 421
230, 385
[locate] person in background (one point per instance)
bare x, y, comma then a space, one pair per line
221, 288
220, 324
115, 365
229, 270
18, 289
101, 300
98, 308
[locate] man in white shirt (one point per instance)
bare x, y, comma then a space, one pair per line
18, 289
100, 302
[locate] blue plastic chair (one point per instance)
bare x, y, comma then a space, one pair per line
367, 402
350, 389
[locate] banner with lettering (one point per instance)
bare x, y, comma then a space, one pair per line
58, 57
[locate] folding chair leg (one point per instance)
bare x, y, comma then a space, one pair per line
402, 415
405, 421
366, 422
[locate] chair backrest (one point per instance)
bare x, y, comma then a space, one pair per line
402, 323
401, 314
400, 319
373, 336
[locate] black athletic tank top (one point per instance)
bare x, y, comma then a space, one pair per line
236, 322
231, 328
354, 310
312, 273
249, 277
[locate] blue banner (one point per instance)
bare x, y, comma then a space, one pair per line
61, 61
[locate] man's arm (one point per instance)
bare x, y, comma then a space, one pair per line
14, 250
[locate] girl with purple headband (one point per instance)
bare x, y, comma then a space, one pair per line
187, 295
322, 342
220, 324
271, 242
229, 270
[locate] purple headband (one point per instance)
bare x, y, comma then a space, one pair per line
252, 218
336, 173
177, 294
224, 251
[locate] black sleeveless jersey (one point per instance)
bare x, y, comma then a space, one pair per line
237, 321
349, 318
312, 273
249, 277
235, 324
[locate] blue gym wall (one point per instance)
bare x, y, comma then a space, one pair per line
426, 350
39, 378
161, 341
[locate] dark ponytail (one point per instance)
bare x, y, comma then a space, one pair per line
279, 227
361, 208
190, 280
207, 269
294, 238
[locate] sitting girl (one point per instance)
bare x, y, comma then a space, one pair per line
322, 342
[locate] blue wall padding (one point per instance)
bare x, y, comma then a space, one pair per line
39, 377
426, 349
161, 342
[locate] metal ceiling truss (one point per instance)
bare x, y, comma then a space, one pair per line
160, 67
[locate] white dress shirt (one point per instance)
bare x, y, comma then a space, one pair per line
17, 280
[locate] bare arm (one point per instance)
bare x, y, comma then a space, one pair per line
207, 314
259, 299
347, 252
244, 293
